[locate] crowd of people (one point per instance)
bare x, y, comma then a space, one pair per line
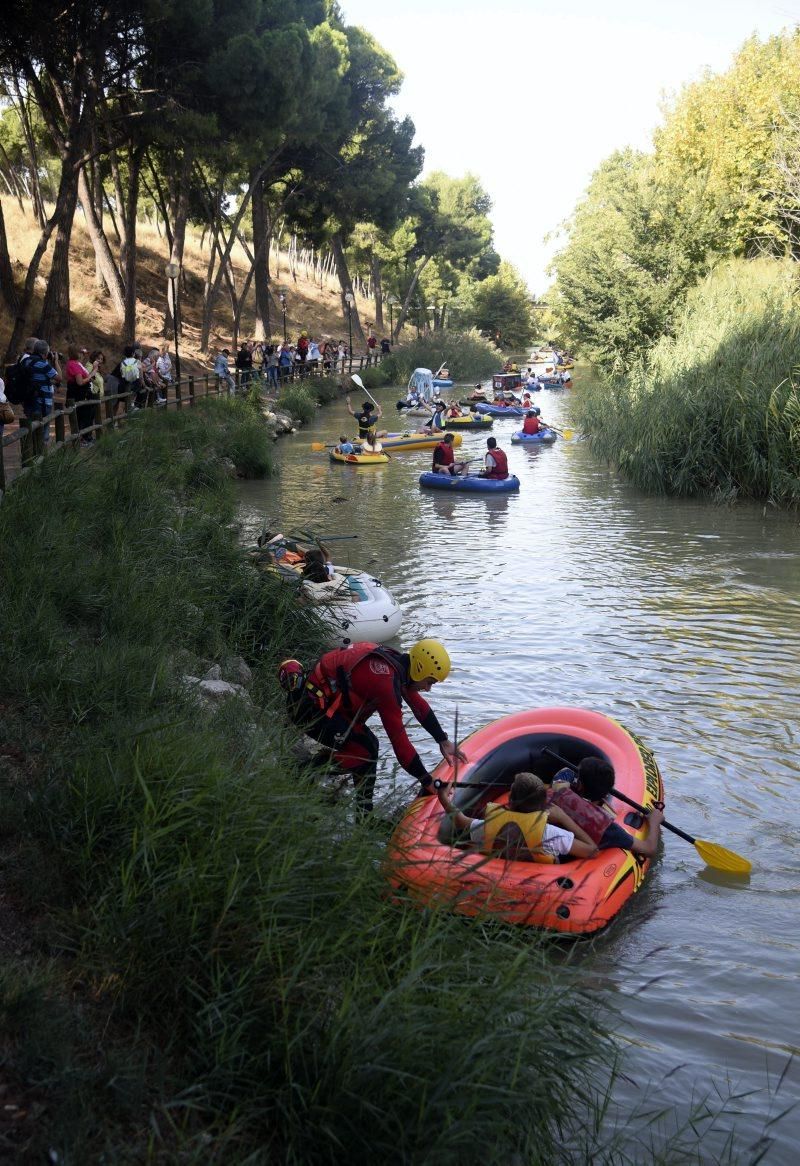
283, 361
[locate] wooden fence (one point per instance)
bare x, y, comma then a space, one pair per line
25, 445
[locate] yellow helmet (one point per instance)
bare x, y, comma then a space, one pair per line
429, 661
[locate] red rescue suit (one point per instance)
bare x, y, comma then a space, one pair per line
344, 689
530, 425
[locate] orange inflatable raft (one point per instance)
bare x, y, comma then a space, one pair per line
581, 896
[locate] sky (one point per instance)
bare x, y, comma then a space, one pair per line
531, 96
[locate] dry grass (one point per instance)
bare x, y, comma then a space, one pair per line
95, 325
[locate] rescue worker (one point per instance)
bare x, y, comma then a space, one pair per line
346, 686
444, 459
495, 461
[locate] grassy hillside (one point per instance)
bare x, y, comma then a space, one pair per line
309, 306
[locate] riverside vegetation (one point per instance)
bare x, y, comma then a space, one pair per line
714, 408
201, 963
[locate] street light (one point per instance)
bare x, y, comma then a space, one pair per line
282, 294
349, 299
430, 308
172, 271
391, 301
418, 309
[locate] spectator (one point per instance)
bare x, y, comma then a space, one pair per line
301, 353
372, 345
153, 383
221, 370
130, 376
45, 372
314, 355
7, 414
386, 346
244, 364
79, 390
164, 366
273, 361
341, 355
285, 361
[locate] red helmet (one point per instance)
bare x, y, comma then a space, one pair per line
291, 675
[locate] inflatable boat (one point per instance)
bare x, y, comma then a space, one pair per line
471, 422
469, 483
418, 440
358, 458
488, 410
543, 437
442, 383
580, 896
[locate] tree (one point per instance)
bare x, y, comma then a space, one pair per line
501, 308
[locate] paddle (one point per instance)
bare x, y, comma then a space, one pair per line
567, 434
711, 852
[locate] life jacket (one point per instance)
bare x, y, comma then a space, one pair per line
500, 465
328, 683
443, 455
530, 425
585, 814
531, 826
366, 424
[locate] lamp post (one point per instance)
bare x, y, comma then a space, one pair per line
349, 299
282, 294
430, 308
391, 301
172, 271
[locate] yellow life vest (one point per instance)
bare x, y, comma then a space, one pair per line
531, 826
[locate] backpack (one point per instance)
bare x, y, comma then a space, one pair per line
129, 368
20, 386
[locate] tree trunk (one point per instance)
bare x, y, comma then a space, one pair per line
55, 317
377, 286
135, 156
172, 316
346, 285
262, 225
212, 290
102, 251
404, 310
30, 142
9, 292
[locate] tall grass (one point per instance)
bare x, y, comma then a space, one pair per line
714, 409
217, 973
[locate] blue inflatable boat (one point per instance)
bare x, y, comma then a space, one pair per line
438, 383
543, 437
500, 410
469, 483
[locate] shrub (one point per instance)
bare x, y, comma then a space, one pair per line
299, 401
468, 356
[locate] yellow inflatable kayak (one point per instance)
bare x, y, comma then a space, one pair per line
423, 440
358, 458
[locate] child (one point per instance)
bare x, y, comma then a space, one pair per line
345, 445
582, 793
523, 831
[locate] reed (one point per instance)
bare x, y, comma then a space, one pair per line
468, 356
299, 401
713, 409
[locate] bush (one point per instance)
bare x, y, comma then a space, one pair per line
714, 409
298, 400
468, 355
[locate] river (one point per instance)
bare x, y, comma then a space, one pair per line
682, 620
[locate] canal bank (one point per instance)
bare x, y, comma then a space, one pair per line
681, 619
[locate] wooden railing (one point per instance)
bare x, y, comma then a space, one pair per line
25, 445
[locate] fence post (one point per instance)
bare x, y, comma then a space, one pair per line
26, 442
2, 465
178, 400
191, 390
59, 427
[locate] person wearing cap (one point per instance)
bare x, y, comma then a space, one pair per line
436, 420
347, 686
222, 371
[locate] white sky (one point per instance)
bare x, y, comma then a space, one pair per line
532, 95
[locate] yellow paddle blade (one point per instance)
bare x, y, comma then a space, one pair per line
318, 445
568, 434
721, 858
